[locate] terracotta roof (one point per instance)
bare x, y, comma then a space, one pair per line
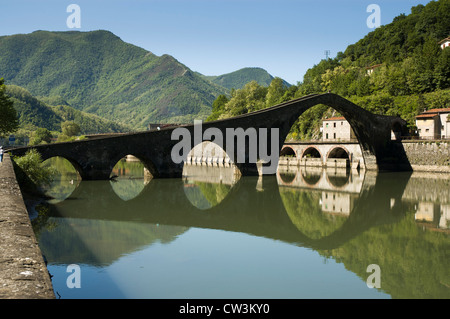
336, 118
444, 110
373, 66
444, 40
429, 115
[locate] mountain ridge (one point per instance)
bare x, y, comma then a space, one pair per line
237, 79
98, 73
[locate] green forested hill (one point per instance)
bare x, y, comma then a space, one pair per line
411, 73
99, 73
33, 113
237, 79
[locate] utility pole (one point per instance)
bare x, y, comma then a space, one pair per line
327, 54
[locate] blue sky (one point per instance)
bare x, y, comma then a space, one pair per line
213, 37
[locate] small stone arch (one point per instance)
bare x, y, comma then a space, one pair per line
78, 168
339, 156
150, 170
288, 151
312, 151
338, 152
208, 153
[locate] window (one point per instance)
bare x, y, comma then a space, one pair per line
334, 124
334, 135
327, 124
342, 123
427, 130
326, 136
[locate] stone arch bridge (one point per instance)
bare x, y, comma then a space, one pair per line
95, 158
322, 154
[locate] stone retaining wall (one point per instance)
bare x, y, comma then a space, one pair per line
431, 156
23, 273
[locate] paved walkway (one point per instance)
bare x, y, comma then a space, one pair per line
23, 274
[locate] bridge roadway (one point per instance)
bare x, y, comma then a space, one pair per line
94, 159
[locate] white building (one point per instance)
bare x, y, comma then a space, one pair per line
444, 43
434, 124
337, 129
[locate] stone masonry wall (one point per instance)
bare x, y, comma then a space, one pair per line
23, 273
428, 155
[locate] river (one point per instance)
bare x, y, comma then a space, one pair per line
305, 233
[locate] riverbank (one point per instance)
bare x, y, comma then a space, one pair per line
23, 273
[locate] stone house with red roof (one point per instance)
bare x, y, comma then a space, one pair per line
337, 129
434, 124
445, 43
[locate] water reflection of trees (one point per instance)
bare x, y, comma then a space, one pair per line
205, 195
207, 186
304, 208
413, 259
101, 242
129, 181
377, 229
288, 177
65, 180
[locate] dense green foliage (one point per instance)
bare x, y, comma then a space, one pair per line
33, 113
99, 73
397, 69
8, 116
70, 128
30, 172
41, 136
239, 78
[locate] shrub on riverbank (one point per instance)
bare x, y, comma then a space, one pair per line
30, 173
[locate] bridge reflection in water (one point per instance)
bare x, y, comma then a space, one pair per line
354, 217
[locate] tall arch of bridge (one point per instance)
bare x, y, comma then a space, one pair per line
95, 158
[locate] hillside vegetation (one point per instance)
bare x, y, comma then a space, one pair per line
98, 73
238, 79
397, 69
34, 113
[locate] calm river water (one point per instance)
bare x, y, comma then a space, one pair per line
301, 234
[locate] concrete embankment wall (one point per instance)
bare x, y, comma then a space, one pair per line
428, 156
23, 273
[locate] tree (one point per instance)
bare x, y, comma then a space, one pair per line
30, 172
41, 135
218, 107
275, 91
8, 115
70, 128
252, 97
